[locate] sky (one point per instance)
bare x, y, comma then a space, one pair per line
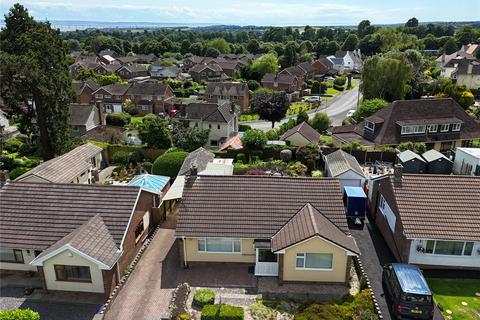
252, 12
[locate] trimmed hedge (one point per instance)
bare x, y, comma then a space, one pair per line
222, 312
19, 314
169, 163
118, 119
203, 297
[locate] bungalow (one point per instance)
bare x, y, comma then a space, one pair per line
430, 220
132, 71
78, 238
83, 118
441, 124
77, 166
150, 97
234, 92
293, 229
345, 168
301, 135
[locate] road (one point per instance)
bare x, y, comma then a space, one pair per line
336, 109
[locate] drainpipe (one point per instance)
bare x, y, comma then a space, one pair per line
184, 252
118, 273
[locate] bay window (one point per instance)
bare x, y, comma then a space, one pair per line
315, 261
219, 245
450, 248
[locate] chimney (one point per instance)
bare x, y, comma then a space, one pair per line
99, 105
398, 173
193, 169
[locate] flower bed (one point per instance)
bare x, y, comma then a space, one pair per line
178, 304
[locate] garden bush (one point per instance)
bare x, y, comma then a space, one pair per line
19, 314
339, 88
183, 316
259, 311
286, 155
241, 157
222, 312
169, 163
244, 127
17, 172
203, 297
118, 119
124, 157
13, 145
272, 134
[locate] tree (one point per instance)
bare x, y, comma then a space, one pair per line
316, 88
320, 122
196, 49
466, 99
254, 139
212, 52
188, 138
351, 43
450, 46
267, 63
365, 28
368, 107
412, 23
385, 78
154, 132
220, 44
290, 55
253, 46
302, 117
169, 163
253, 85
271, 106
35, 82
371, 44
185, 46
465, 35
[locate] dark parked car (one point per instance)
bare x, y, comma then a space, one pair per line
407, 291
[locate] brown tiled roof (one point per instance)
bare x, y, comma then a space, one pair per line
305, 130
226, 88
213, 112
307, 223
437, 206
147, 88
200, 157
294, 70
93, 239
234, 143
79, 114
306, 66
425, 111
340, 162
65, 168
253, 206
115, 89
37, 215
280, 78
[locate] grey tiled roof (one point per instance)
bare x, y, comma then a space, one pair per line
340, 162
253, 206
226, 88
200, 157
37, 215
79, 114
147, 88
65, 168
307, 223
305, 130
213, 112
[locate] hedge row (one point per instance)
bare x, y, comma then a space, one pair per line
203, 297
222, 312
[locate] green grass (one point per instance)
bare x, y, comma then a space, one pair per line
476, 143
450, 293
297, 107
332, 91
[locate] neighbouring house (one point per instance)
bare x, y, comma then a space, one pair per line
467, 73
207, 72
234, 92
234, 143
161, 72
281, 82
308, 69
468, 51
7, 131
138, 58
320, 69
350, 60
79, 165
412, 162
83, 118
220, 118
85, 91
301, 135
105, 69
77, 237
86, 62
467, 161
293, 229
112, 96
430, 220
437, 163
132, 71
441, 124
108, 52
297, 72
345, 168
151, 97
107, 59
197, 160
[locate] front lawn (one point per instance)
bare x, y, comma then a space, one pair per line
332, 91
452, 294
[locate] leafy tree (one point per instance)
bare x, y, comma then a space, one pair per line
169, 163
154, 132
368, 107
466, 99
316, 89
385, 78
220, 44
271, 106
351, 43
253, 46
302, 117
320, 122
254, 139
212, 52
185, 46
267, 63
188, 138
253, 85
197, 49
371, 44
35, 82
290, 55
450, 46
466, 34
365, 28
412, 23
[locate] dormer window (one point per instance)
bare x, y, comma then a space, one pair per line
444, 127
370, 126
456, 126
413, 129
432, 128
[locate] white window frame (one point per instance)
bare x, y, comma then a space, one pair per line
449, 255
416, 129
145, 108
370, 126
204, 240
432, 128
456, 126
444, 127
303, 256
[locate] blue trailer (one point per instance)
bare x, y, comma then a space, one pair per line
355, 201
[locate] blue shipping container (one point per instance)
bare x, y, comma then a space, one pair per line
355, 201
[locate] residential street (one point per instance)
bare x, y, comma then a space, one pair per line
336, 110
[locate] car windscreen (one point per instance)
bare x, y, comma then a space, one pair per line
417, 299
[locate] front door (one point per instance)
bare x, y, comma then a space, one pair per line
266, 263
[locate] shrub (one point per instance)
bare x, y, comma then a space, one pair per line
125, 157
324, 86
286, 155
339, 88
254, 139
184, 316
119, 119
261, 312
340, 81
13, 145
317, 174
244, 127
272, 134
241, 157
222, 312
316, 87
203, 297
297, 169
17, 172
320, 122
19, 314
168, 164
